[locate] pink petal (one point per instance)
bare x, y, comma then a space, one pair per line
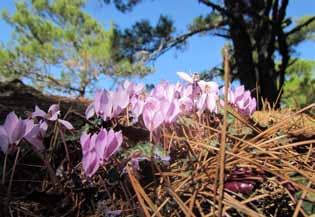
100, 144
138, 89
239, 91
185, 104
210, 86
102, 99
85, 140
53, 112
211, 103
4, 140
114, 141
15, 128
120, 101
252, 106
66, 124
34, 137
39, 113
173, 112
108, 106
146, 115
157, 120
29, 125
170, 110
43, 126
10, 124
137, 108
90, 111
201, 103
231, 96
127, 85
92, 143
184, 76
90, 163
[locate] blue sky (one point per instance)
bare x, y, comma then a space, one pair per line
201, 53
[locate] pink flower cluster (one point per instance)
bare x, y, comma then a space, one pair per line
32, 130
98, 148
242, 100
166, 101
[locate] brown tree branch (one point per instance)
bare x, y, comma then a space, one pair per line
180, 39
302, 25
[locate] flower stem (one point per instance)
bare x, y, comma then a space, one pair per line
127, 115
13, 170
66, 147
4, 167
151, 136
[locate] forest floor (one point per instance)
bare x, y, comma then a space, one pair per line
269, 167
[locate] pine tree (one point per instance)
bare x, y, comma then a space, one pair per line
59, 46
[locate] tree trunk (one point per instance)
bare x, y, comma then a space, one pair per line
256, 37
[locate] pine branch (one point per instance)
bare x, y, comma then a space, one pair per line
302, 25
180, 39
217, 7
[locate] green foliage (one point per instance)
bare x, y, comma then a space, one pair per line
57, 45
305, 33
203, 21
142, 40
5, 75
147, 150
299, 88
123, 5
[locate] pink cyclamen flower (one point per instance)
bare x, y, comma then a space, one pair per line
90, 159
113, 143
242, 100
170, 110
108, 104
194, 87
186, 104
246, 104
98, 148
101, 106
52, 115
11, 132
103, 103
152, 114
120, 101
209, 96
35, 133
137, 105
131, 88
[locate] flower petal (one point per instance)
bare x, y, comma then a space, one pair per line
39, 113
212, 102
100, 144
66, 124
114, 141
157, 120
4, 140
53, 112
10, 124
185, 77
85, 140
90, 111
90, 164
